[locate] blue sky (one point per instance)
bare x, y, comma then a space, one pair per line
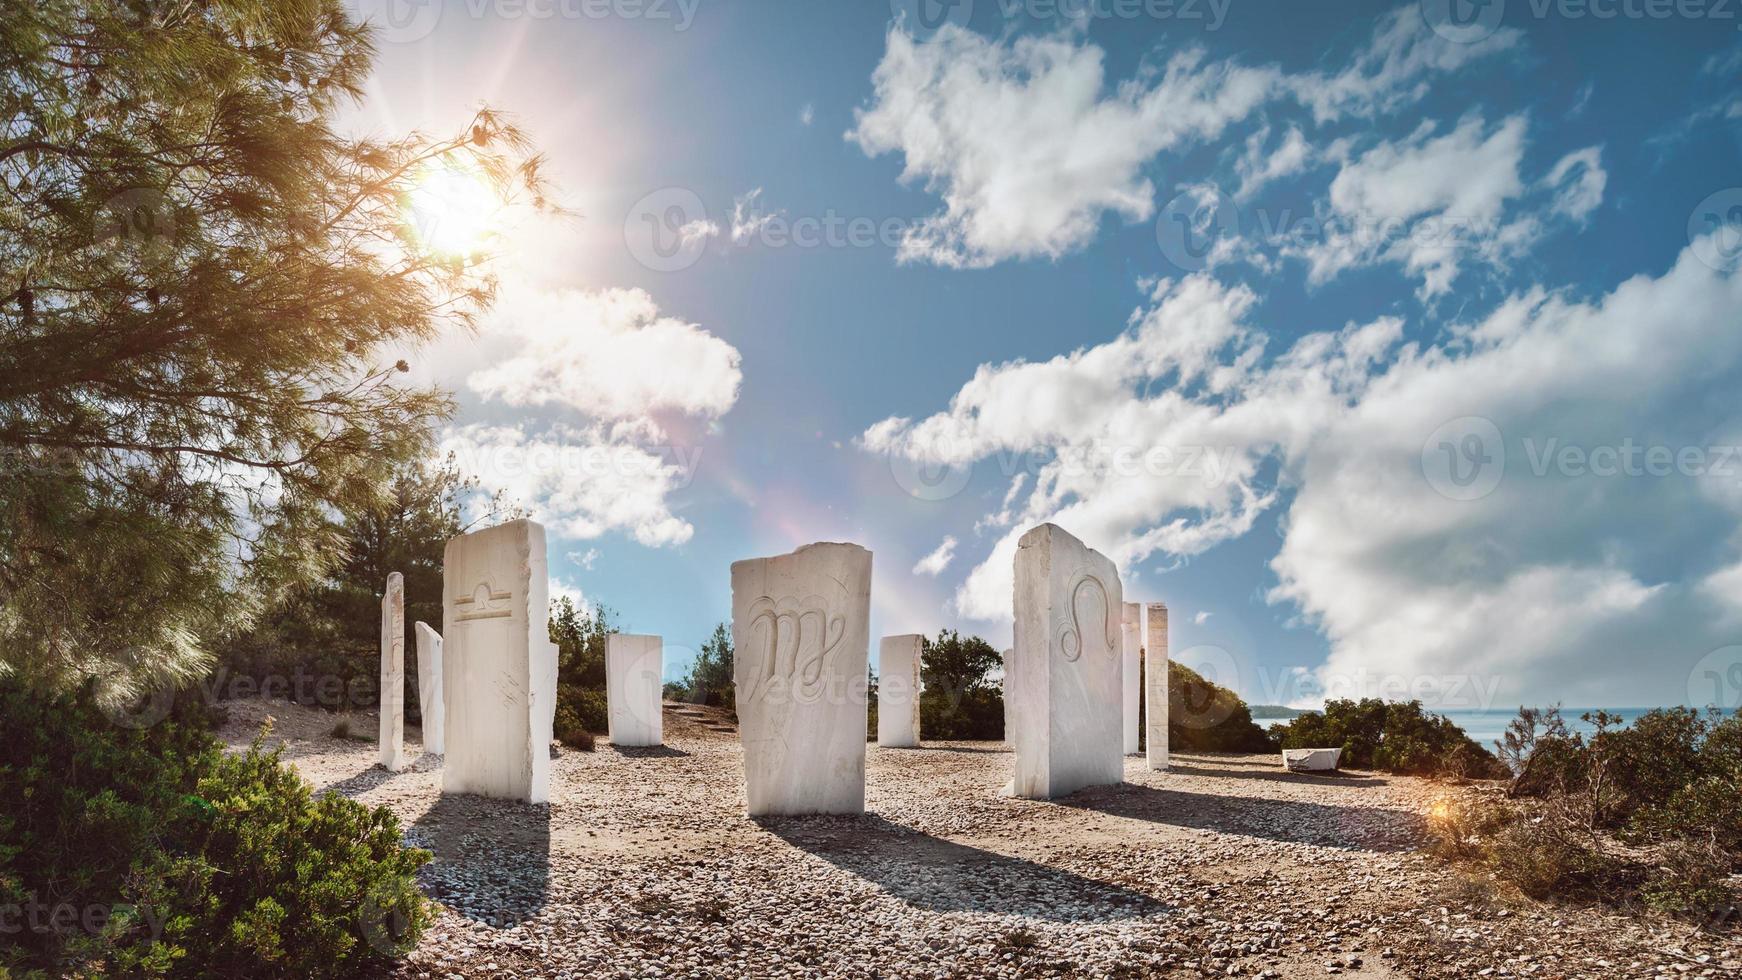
1402, 249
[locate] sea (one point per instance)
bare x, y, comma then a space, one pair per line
1485, 726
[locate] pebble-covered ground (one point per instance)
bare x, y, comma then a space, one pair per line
645, 866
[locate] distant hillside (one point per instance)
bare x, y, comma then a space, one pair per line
1274, 711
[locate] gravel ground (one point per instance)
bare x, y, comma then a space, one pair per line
644, 865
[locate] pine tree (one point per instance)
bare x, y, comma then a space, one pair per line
204, 290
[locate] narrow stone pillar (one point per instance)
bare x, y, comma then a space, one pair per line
634, 679
1155, 688
1131, 635
498, 665
391, 732
898, 662
429, 689
1066, 674
801, 631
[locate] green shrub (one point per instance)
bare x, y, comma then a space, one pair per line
569, 729
1203, 716
956, 700
1648, 815
1395, 737
168, 855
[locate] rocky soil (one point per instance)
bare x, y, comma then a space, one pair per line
644, 865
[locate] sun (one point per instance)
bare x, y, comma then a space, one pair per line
453, 210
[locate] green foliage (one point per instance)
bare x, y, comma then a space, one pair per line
957, 701
1206, 717
585, 709
579, 634
1648, 815
202, 282
1391, 737
331, 630
171, 856
710, 677
581, 706
571, 726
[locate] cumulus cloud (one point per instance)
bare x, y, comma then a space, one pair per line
1029, 148
1562, 582
600, 376
940, 558
580, 481
609, 354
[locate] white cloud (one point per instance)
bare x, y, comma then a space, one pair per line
1578, 181
560, 589
934, 563
807, 114
599, 378
609, 354
580, 481
748, 218
1260, 165
585, 559
1557, 585
1029, 148
1201, 618
1426, 202
1393, 70
1024, 144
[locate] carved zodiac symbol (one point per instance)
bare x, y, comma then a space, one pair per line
1088, 588
792, 641
483, 603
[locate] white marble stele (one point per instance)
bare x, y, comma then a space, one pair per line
429, 688
1004, 691
1155, 687
391, 732
1130, 669
1066, 673
898, 662
498, 663
801, 631
634, 680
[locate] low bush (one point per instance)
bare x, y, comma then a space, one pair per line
144, 851
1647, 816
1396, 737
569, 729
